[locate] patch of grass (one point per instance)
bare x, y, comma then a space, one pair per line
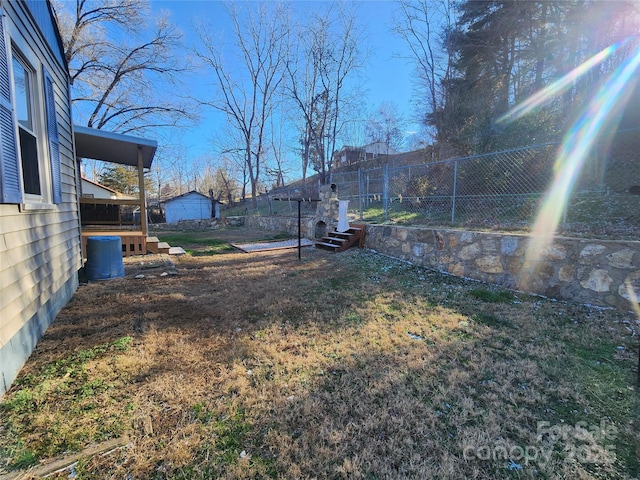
122, 344
43, 397
72, 365
21, 401
603, 380
24, 459
201, 413
336, 366
189, 238
341, 282
374, 215
491, 296
397, 214
589, 352
279, 236
353, 318
216, 250
202, 244
221, 451
197, 243
489, 320
92, 388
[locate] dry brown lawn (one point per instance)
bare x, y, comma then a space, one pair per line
352, 365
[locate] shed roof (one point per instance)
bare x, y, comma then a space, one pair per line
113, 147
192, 192
99, 185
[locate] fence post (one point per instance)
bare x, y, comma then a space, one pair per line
360, 193
385, 193
366, 193
455, 187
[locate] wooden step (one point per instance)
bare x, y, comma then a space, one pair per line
152, 244
359, 230
340, 241
158, 247
327, 246
163, 247
345, 235
336, 240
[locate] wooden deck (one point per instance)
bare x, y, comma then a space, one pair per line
133, 242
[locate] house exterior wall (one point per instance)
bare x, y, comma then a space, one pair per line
191, 206
351, 155
378, 148
40, 251
92, 190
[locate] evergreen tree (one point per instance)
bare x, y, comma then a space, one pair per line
124, 179
507, 50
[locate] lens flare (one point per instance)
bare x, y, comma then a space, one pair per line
559, 86
571, 157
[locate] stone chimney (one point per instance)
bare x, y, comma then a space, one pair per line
326, 218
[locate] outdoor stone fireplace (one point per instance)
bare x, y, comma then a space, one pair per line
326, 218
320, 230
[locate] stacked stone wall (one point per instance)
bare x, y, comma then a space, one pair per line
287, 224
191, 225
577, 269
583, 270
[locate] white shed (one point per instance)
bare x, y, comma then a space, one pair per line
188, 206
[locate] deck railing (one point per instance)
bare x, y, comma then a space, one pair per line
133, 233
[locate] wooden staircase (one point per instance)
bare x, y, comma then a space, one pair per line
340, 241
156, 246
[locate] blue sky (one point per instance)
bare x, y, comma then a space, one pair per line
385, 76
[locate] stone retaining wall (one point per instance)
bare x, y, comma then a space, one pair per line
577, 269
190, 225
197, 225
582, 270
283, 224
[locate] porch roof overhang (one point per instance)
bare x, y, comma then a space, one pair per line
113, 147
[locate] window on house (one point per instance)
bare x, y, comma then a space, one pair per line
23, 77
30, 167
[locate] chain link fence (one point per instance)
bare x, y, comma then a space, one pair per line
281, 201
501, 191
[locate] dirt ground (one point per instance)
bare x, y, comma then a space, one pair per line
347, 365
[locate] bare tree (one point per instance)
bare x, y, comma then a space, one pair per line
225, 182
324, 53
117, 81
277, 169
217, 178
425, 25
246, 90
385, 125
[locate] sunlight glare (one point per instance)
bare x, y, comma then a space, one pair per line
559, 86
571, 157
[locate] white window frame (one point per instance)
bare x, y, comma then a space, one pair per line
19, 48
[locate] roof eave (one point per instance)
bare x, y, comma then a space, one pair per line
113, 147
